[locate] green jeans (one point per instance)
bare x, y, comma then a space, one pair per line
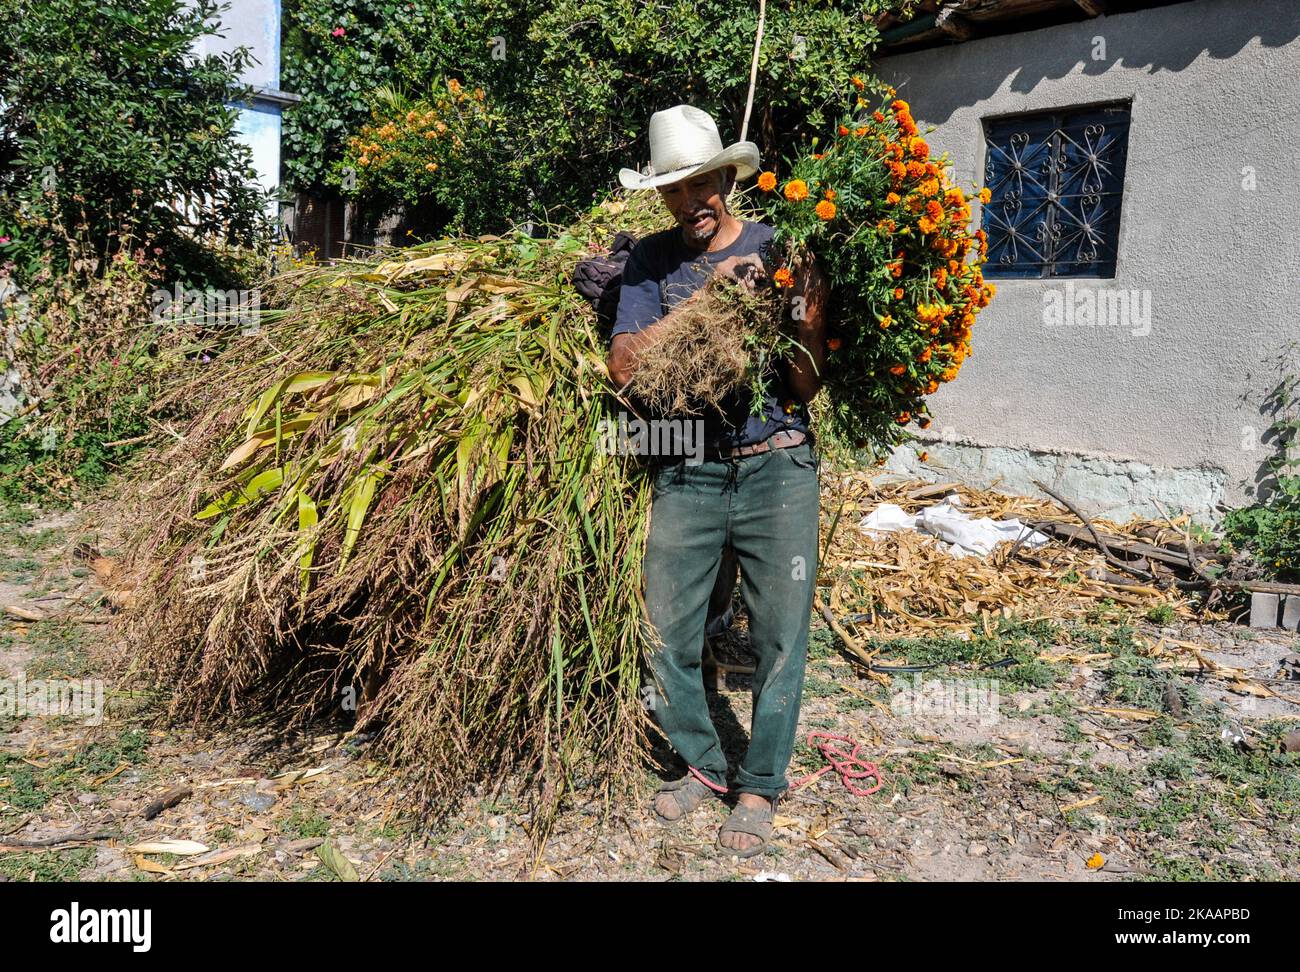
763, 507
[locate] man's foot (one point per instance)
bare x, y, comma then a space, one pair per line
749, 827
676, 799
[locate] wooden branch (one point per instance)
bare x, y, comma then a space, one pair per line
953, 23
1101, 544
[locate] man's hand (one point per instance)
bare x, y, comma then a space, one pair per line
747, 271
808, 311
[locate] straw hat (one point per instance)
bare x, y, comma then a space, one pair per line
683, 141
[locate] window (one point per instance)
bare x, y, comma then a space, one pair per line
1056, 180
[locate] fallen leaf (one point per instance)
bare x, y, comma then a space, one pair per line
333, 858
153, 867
168, 845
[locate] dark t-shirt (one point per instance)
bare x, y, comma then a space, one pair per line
663, 270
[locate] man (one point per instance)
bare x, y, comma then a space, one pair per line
754, 497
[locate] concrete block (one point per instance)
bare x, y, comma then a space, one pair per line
1263, 610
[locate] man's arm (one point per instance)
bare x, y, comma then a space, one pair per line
809, 313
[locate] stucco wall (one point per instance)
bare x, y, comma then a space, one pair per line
1215, 88
255, 24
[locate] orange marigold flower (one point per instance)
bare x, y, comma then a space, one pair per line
920, 149
830, 193
796, 190
934, 210
903, 418
923, 421
893, 199
941, 278
897, 369
926, 225
925, 356
833, 344
898, 293
929, 187
783, 278
859, 83
860, 131
767, 181
915, 169
985, 195
826, 209
886, 321
900, 107
933, 386
878, 116
843, 129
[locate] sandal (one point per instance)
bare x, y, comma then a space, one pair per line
688, 793
754, 821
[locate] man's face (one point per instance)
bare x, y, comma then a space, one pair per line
698, 203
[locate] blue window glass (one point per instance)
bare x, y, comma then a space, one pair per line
1056, 180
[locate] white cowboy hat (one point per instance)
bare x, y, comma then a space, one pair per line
683, 141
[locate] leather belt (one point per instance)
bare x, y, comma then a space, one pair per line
777, 440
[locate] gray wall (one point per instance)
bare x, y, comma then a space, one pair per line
1215, 87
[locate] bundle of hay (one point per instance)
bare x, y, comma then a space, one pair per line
718, 341
394, 500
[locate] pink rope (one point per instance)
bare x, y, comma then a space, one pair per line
843, 763
706, 781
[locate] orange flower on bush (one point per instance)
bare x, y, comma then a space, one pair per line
920, 149
859, 83
843, 129
898, 293
897, 369
886, 321
833, 344
893, 198
796, 190
904, 418
783, 278
767, 181
985, 194
826, 209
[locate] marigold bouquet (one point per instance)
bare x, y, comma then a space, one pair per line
891, 234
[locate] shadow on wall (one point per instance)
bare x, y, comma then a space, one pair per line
1171, 39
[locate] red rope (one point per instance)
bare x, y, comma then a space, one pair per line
706, 781
843, 763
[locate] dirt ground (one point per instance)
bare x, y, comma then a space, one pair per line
1077, 752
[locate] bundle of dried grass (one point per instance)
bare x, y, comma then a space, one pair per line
712, 345
394, 505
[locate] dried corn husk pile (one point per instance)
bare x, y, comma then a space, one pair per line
905, 583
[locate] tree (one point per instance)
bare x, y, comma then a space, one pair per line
109, 121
